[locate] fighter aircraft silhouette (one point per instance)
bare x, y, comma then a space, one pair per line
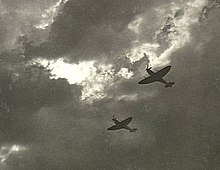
122, 124
157, 76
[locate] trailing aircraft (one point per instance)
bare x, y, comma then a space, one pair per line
122, 124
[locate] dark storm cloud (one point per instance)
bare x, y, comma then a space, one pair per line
12, 5
89, 28
83, 30
24, 91
18, 17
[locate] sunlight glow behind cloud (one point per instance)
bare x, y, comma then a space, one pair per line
74, 73
6, 151
174, 34
94, 77
49, 15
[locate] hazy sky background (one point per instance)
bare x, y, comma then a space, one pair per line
68, 66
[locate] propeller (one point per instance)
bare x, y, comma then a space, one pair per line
148, 68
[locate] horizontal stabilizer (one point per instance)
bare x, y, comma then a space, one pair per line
170, 84
133, 130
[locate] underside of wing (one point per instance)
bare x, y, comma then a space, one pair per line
126, 121
163, 71
115, 127
147, 80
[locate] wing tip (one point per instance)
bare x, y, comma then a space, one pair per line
168, 67
130, 118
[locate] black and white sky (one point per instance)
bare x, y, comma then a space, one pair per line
68, 66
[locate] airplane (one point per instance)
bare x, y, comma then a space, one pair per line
157, 76
122, 124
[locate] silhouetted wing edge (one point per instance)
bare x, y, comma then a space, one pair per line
127, 121
163, 72
147, 80
115, 127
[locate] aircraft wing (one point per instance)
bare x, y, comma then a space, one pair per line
115, 127
147, 80
163, 71
126, 121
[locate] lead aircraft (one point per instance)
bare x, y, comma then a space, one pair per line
157, 76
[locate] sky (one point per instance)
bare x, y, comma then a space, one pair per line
69, 66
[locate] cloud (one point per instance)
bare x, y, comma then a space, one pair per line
125, 73
211, 5
25, 89
6, 151
50, 14
88, 26
173, 35
17, 17
134, 25
74, 73
132, 97
93, 76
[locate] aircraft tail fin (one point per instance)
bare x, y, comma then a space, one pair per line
132, 130
169, 84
